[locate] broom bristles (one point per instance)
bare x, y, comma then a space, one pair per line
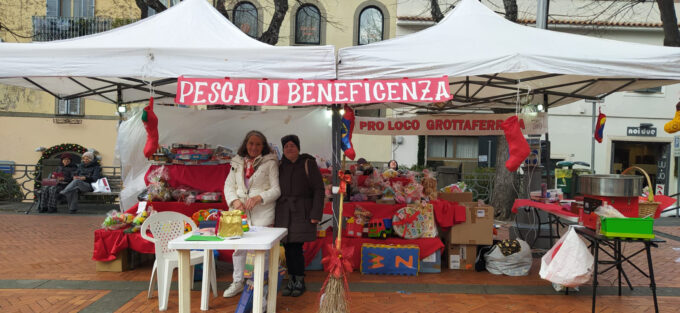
334, 299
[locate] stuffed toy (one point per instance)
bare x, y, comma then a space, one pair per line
674, 124
599, 126
517, 145
151, 125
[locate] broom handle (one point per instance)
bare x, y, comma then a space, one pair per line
339, 239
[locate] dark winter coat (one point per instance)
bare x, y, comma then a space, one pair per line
92, 171
68, 172
302, 198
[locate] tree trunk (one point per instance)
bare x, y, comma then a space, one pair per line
504, 193
670, 23
436, 11
271, 35
510, 10
156, 5
222, 8
141, 4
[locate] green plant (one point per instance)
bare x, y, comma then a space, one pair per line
9, 188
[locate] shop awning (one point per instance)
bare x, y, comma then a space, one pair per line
489, 60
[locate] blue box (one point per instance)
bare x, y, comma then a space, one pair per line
390, 259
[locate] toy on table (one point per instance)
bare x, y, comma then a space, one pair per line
409, 223
380, 228
244, 223
389, 173
429, 185
158, 189
139, 219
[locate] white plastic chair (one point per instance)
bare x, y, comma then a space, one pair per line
166, 226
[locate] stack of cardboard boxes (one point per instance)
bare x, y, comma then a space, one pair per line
463, 239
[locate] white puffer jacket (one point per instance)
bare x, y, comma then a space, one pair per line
263, 183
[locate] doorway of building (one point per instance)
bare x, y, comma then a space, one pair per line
651, 156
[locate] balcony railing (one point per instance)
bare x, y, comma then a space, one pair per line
48, 28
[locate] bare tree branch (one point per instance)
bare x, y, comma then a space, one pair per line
510, 10
222, 8
670, 23
436, 11
271, 35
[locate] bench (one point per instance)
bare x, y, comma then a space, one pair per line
116, 184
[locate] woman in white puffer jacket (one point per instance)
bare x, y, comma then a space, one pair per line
252, 186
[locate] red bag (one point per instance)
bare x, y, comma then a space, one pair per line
49, 182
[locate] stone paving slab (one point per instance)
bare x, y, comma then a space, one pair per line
46, 266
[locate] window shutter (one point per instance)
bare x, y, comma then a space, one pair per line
90, 9
62, 107
52, 8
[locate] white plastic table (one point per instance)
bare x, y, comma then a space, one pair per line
261, 240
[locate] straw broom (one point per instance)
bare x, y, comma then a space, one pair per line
335, 290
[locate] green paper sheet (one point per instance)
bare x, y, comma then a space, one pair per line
203, 238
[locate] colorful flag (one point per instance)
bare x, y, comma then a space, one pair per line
599, 126
346, 130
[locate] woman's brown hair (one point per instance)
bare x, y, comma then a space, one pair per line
243, 150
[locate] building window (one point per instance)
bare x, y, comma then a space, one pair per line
70, 8
370, 112
449, 147
370, 25
308, 25
73, 107
649, 90
245, 18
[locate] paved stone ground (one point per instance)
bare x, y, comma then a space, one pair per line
46, 266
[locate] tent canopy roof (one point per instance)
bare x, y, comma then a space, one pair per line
489, 60
191, 38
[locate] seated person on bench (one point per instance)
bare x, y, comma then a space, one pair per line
88, 172
64, 175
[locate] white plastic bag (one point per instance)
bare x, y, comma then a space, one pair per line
516, 264
101, 185
568, 262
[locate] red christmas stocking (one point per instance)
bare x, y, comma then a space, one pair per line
518, 146
151, 125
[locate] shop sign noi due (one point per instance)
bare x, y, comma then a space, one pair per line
206, 91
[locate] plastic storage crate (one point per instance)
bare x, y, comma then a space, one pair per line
631, 227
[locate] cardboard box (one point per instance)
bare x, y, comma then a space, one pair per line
455, 196
462, 257
478, 226
120, 264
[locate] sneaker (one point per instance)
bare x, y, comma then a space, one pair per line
234, 289
289, 287
299, 286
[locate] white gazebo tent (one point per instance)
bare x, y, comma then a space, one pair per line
119, 66
489, 60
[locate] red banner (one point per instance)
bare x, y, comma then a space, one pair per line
202, 91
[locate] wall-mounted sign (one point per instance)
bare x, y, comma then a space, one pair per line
640, 131
200, 91
450, 125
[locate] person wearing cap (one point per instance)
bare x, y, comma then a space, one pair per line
88, 172
64, 175
299, 208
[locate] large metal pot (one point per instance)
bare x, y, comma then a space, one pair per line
610, 185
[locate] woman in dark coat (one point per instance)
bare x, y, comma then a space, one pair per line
64, 175
299, 208
88, 172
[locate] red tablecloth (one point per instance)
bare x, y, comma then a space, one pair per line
181, 207
552, 208
201, 177
427, 246
107, 243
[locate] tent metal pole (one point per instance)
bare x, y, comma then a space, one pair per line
542, 14
548, 167
335, 160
